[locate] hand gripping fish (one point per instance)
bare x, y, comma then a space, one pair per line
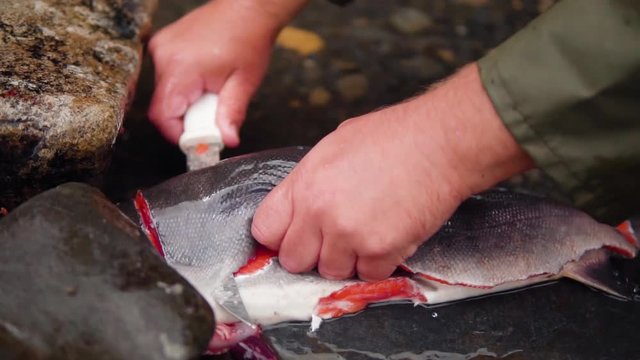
497, 240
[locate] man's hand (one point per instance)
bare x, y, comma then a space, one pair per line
372, 191
222, 47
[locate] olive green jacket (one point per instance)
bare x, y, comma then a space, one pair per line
567, 86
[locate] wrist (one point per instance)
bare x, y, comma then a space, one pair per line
271, 15
476, 141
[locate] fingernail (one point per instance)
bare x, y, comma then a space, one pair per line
286, 263
232, 138
333, 277
232, 130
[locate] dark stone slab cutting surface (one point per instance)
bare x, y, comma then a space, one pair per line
79, 281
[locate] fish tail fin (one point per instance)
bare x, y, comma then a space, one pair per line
594, 269
627, 230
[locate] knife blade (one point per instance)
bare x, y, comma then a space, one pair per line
228, 296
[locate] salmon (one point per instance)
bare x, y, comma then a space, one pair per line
497, 240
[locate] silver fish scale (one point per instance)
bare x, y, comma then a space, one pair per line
205, 260
205, 227
500, 230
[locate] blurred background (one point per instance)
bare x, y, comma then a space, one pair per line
371, 54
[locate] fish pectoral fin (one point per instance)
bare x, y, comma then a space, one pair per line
594, 269
353, 298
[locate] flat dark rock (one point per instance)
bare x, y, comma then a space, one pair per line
79, 281
67, 72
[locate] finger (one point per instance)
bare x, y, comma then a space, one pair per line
171, 97
375, 269
337, 261
273, 217
300, 247
235, 96
171, 128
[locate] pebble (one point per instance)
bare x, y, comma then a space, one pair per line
352, 87
319, 96
295, 103
474, 3
423, 67
302, 41
446, 55
343, 64
312, 72
410, 21
517, 5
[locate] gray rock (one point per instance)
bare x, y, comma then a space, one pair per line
410, 21
67, 72
352, 87
79, 281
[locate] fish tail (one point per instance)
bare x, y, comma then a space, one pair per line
627, 229
594, 268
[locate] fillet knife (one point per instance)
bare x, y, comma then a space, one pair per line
229, 298
201, 142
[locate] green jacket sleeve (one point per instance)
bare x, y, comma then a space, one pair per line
568, 88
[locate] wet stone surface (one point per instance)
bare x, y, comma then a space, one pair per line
79, 281
564, 320
67, 72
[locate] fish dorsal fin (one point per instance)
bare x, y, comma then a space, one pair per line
594, 269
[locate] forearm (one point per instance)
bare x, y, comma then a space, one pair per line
481, 149
274, 14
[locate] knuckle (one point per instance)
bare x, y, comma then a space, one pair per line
343, 228
316, 208
378, 249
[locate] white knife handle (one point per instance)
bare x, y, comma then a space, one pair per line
201, 134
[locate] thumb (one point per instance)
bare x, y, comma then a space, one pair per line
234, 99
273, 217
